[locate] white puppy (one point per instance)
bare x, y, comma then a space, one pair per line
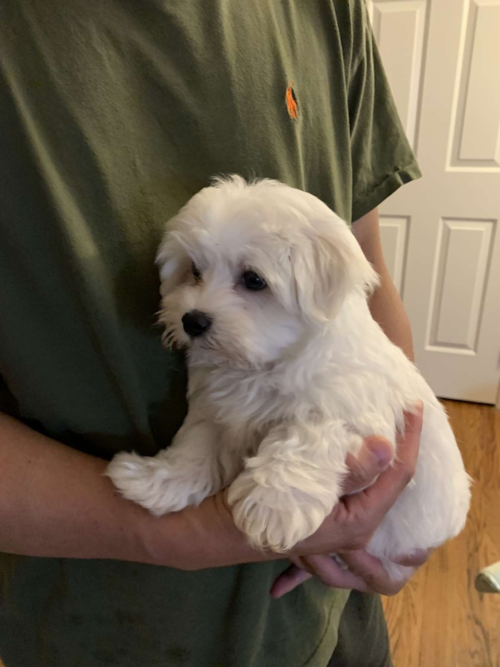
267, 289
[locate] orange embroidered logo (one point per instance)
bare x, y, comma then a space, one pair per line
291, 102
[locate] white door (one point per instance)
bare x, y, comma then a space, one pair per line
441, 234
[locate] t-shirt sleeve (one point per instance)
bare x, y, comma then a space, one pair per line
382, 159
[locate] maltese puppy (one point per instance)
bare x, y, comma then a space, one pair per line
267, 290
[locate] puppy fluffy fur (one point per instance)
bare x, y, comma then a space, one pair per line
288, 379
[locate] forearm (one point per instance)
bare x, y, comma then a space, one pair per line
385, 303
56, 502
387, 309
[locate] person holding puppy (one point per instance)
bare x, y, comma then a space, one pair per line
114, 114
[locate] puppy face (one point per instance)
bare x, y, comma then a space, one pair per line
248, 269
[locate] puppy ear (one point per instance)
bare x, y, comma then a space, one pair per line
329, 264
173, 262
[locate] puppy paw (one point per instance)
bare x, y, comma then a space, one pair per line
272, 518
149, 482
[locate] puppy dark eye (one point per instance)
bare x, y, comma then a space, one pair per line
196, 272
253, 281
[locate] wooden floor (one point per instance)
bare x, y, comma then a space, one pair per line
439, 620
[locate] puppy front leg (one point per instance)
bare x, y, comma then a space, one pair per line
183, 474
287, 490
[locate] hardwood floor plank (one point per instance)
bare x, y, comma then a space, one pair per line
439, 619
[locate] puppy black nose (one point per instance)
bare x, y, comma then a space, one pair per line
196, 323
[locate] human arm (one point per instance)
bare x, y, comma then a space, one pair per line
56, 502
385, 303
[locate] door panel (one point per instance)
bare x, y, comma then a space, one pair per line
440, 234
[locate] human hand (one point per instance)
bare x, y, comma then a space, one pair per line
366, 573
356, 518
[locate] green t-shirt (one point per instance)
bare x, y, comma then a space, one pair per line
113, 113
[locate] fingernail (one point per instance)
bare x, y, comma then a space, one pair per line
414, 558
380, 452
